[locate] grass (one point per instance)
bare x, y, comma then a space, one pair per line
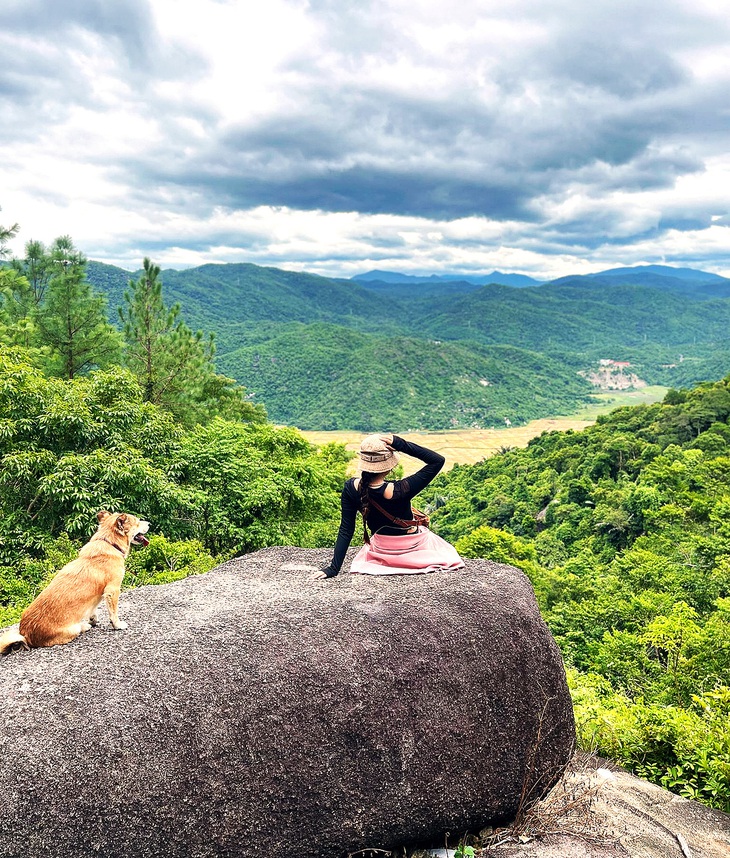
467, 446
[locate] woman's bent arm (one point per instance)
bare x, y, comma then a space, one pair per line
412, 485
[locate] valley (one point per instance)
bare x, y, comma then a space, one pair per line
468, 446
338, 355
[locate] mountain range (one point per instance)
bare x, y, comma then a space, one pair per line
438, 353
390, 277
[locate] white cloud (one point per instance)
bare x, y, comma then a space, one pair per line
548, 137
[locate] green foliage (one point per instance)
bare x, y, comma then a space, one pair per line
684, 749
17, 324
71, 318
49, 307
257, 485
38, 267
6, 233
275, 335
70, 448
174, 366
165, 560
21, 583
622, 529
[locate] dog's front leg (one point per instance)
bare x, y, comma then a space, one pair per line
111, 596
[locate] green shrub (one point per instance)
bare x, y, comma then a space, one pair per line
20, 584
165, 560
685, 750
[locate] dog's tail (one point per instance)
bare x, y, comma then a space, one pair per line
12, 639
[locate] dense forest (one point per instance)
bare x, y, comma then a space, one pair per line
135, 417
623, 530
435, 355
322, 376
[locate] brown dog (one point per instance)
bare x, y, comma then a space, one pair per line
67, 606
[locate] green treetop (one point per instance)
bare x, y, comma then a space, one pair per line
175, 366
6, 233
72, 319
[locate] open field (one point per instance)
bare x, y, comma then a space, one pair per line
467, 446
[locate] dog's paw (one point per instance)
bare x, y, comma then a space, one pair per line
120, 625
85, 626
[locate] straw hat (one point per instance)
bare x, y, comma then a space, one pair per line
375, 456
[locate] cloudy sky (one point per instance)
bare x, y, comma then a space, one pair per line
545, 137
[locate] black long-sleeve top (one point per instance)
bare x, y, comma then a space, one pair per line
399, 505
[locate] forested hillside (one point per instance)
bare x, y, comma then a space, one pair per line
282, 333
623, 529
329, 377
584, 317
137, 419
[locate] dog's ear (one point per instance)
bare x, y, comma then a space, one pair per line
120, 522
101, 515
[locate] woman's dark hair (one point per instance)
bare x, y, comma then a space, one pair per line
366, 477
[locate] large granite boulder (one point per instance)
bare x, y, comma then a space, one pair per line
254, 711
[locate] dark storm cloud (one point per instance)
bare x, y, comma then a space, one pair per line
376, 152
604, 98
603, 106
376, 190
369, 189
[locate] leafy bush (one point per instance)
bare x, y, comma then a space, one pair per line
629, 555
20, 584
165, 560
686, 750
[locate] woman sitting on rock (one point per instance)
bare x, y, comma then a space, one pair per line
397, 547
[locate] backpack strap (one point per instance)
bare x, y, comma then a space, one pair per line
399, 522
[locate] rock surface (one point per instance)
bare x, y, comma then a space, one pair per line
600, 812
254, 711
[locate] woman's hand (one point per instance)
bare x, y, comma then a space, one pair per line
322, 574
387, 439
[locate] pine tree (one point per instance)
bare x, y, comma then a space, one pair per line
23, 285
6, 233
16, 328
71, 319
161, 350
38, 267
174, 365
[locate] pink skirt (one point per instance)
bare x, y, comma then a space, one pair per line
409, 554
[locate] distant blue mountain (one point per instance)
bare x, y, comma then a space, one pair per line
657, 276
664, 271
394, 277
689, 282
